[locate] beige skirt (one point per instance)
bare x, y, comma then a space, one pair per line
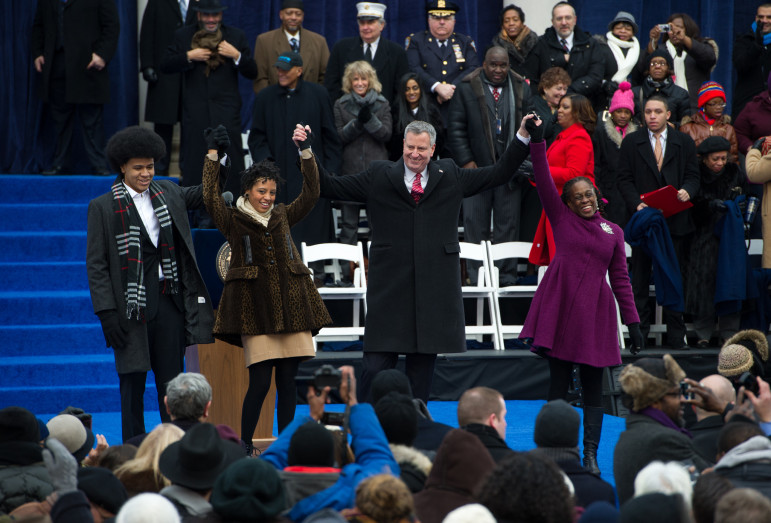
265, 347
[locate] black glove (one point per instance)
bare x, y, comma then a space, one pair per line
636, 338
610, 87
114, 334
149, 74
306, 144
759, 144
365, 114
717, 206
536, 131
217, 138
61, 465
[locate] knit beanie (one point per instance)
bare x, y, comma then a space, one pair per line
386, 381
398, 417
311, 445
663, 53
557, 425
757, 345
18, 424
733, 360
710, 90
622, 98
102, 488
248, 490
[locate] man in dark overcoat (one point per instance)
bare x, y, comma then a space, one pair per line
210, 94
387, 57
414, 303
640, 173
567, 46
441, 57
163, 104
72, 43
145, 284
276, 110
484, 117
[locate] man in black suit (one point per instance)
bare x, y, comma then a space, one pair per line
387, 57
144, 281
73, 42
650, 159
210, 57
708, 424
164, 91
414, 291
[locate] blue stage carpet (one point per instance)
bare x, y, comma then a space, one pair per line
519, 433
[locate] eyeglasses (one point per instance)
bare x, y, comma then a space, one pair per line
659, 64
717, 105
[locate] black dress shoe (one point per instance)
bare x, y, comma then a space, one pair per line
53, 171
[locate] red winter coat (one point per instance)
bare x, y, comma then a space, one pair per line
571, 155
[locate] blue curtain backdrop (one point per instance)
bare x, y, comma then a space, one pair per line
26, 145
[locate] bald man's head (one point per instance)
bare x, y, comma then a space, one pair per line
720, 387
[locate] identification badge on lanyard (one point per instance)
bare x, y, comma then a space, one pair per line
498, 126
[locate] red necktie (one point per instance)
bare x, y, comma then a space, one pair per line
417, 189
496, 93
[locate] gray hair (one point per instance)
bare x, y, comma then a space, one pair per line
419, 127
187, 395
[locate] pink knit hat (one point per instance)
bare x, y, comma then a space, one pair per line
622, 98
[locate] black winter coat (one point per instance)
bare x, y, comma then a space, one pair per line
701, 267
276, 112
585, 67
91, 26
161, 20
679, 101
752, 62
470, 132
209, 101
638, 174
23, 476
607, 144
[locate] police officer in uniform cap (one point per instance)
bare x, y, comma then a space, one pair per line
440, 56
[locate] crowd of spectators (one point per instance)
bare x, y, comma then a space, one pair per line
373, 468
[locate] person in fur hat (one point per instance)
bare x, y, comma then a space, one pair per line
709, 120
651, 389
613, 126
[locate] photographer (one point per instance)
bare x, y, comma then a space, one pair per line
304, 453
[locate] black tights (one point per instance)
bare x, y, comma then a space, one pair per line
259, 383
561, 372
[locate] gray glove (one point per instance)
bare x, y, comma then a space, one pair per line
61, 465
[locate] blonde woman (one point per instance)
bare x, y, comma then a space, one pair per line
363, 121
142, 474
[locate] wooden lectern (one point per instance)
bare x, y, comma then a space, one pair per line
223, 365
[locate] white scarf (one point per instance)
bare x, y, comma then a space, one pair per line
243, 205
625, 63
680, 78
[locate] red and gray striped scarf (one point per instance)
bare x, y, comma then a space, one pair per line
128, 227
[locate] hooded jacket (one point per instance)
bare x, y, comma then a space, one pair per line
748, 465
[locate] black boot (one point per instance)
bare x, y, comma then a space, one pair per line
592, 431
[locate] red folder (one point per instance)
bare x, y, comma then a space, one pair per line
666, 200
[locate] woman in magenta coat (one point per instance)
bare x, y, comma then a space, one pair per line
572, 319
570, 155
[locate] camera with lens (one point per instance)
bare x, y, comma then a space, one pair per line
749, 382
324, 376
665, 28
685, 391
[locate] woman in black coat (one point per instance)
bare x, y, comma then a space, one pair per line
720, 180
411, 105
516, 38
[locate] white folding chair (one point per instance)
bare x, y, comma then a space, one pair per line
245, 146
503, 251
482, 291
356, 293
